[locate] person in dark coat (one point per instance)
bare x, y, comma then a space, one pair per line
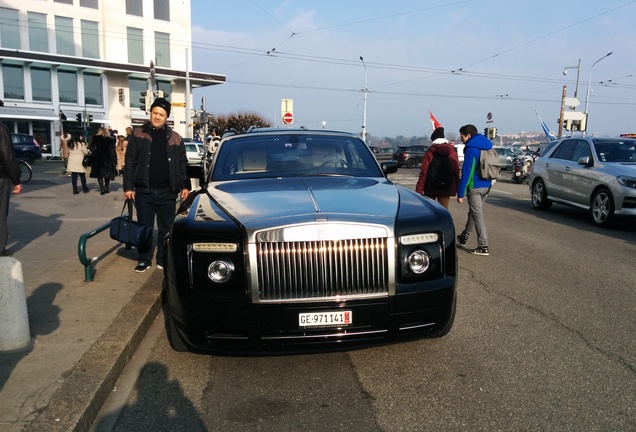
104, 163
440, 147
9, 180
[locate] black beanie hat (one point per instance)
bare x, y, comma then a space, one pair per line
437, 133
162, 103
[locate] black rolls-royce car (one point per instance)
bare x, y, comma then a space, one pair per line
296, 241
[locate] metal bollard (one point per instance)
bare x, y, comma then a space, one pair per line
14, 320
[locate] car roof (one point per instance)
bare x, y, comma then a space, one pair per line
287, 131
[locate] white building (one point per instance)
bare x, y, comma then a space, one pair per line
61, 58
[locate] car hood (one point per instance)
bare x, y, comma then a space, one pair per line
305, 199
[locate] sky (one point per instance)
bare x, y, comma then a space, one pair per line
459, 59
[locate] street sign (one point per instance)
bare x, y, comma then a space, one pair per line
573, 115
572, 102
288, 118
178, 104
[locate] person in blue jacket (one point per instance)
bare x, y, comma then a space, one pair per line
473, 188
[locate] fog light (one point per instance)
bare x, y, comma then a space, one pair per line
419, 261
220, 271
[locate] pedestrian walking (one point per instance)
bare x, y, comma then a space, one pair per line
77, 149
155, 173
474, 189
65, 137
9, 180
120, 150
439, 173
104, 163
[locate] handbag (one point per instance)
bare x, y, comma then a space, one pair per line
126, 230
88, 159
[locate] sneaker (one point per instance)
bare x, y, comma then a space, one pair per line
159, 266
462, 240
142, 267
480, 250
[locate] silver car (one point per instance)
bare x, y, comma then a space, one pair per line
506, 156
595, 174
194, 151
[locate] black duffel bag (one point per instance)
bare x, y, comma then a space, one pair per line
126, 230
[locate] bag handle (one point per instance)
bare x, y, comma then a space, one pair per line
131, 205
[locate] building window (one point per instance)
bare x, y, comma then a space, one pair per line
162, 10
89, 4
64, 36
166, 87
93, 89
41, 84
67, 86
13, 80
38, 34
9, 28
135, 45
135, 7
162, 49
136, 86
64, 1
90, 39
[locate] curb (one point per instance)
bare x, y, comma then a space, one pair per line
76, 404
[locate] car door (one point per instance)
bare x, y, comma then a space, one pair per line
579, 179
557, 169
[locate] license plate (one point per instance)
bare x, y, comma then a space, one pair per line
517, 173
325, 319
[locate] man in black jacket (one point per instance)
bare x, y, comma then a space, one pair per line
9, 175
155, 173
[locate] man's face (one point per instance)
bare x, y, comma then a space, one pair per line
158, 117
464, 138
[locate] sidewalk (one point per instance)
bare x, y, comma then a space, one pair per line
84, 332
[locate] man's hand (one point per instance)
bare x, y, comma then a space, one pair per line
460, 200
17, 189
184, 194
129, 195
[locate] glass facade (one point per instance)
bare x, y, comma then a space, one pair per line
135, 40
162, 10
9, 29
162, 49
38, 33
89, 4
41, 84
67, 86
13, 80
90, 39
64, 42
93, 92
134, 7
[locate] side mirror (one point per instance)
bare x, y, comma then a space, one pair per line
586, 161
389, 167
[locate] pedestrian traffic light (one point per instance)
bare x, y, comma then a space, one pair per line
78, 116
145, 102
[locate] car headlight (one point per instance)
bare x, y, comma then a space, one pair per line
220, 271
418, 261
630, 182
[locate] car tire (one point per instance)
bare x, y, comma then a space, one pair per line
176, 341
539, 197
28, 157
410, 163
602, 207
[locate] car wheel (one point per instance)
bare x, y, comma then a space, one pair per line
28, 157
176, 342
540, 199
602, 208
410, 163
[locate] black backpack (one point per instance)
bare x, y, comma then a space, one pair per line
440, 174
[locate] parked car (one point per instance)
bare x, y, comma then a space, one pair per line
595, 174
194, 151
298, 241
26, 147
506, 156
382, 153
409, 156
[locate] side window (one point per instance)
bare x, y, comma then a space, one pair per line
565, 150
582, 149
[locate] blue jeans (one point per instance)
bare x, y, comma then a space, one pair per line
159, 203
476, 222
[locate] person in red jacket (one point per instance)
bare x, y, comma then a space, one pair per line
439, 175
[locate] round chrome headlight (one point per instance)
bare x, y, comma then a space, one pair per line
220, 271
419, 261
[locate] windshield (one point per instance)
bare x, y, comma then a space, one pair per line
293, 155
616, 150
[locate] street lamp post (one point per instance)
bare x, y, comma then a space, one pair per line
578, 76
364, 109
589, 83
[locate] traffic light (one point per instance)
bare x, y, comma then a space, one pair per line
159, 93
493, 133
89, 120
145, 102
487, 132
78, 116
567, 124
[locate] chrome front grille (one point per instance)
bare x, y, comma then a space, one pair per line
323, 269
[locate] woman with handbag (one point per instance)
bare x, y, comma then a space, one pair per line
77, 149
104, 164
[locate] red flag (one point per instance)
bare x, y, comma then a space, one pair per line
434, 121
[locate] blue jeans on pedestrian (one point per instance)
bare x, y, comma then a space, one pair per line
159, 203
476, 222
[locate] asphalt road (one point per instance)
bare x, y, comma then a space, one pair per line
544, 339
